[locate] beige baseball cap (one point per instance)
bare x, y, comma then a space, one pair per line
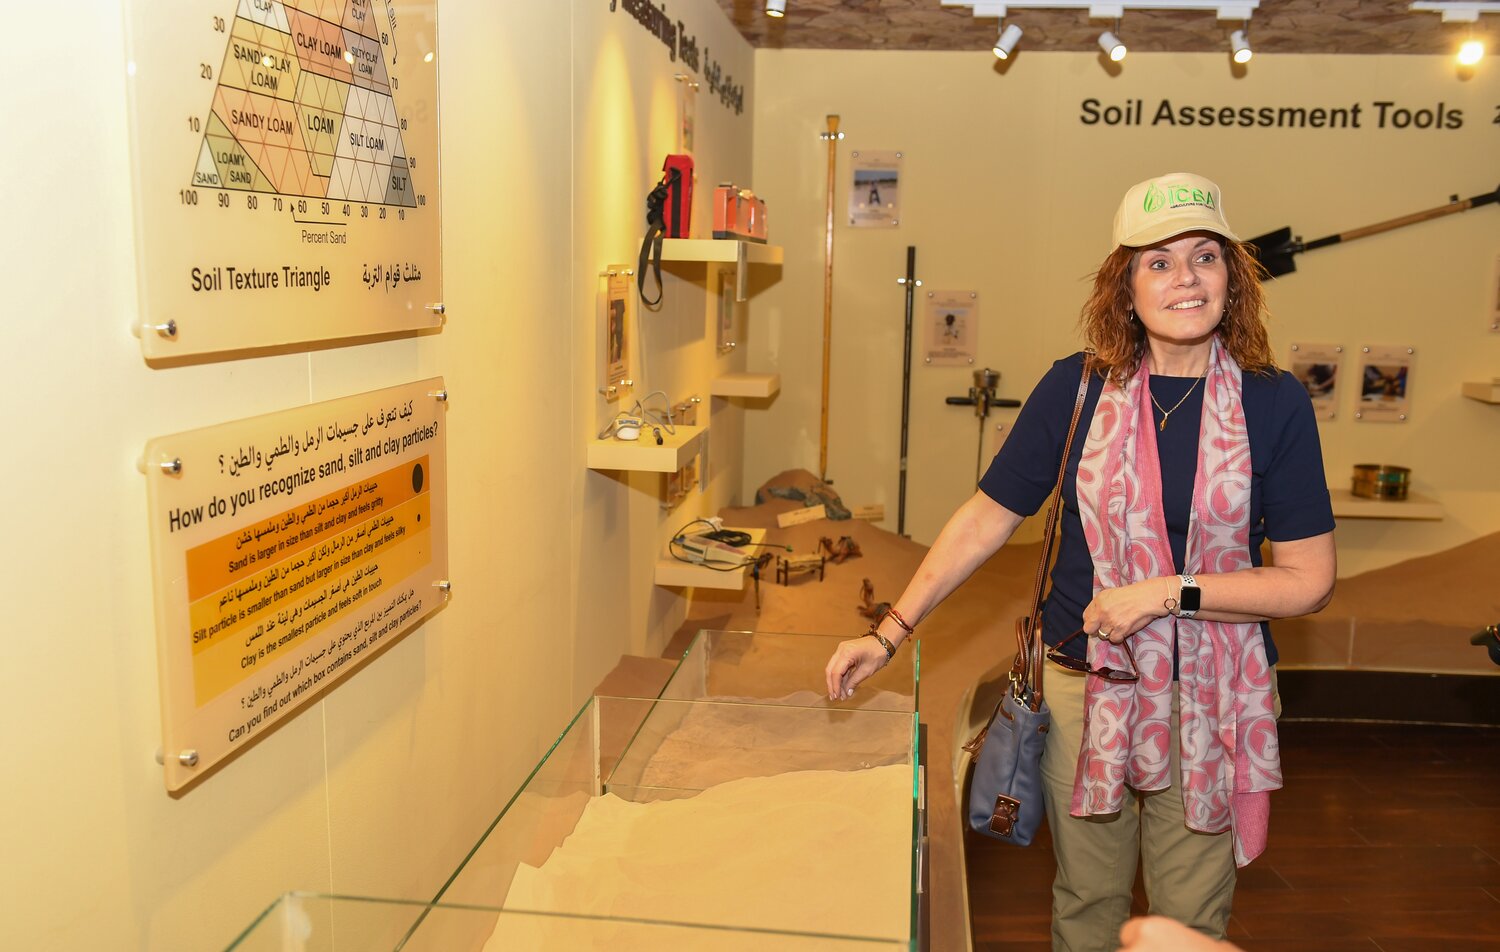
1169, 205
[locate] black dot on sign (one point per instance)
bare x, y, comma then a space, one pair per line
416, 478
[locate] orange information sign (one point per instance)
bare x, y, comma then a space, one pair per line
286, 548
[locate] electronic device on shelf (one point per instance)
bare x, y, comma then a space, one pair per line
728, 536
627, 428
739, 214
700, 548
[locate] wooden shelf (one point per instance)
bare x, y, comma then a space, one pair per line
1346, 505
643, 455
745, 385
721, 250
671, 573
741, 254
1482, 391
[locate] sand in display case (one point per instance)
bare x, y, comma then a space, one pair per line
740, 809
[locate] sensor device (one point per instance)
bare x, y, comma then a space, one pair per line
700, 548
628, 428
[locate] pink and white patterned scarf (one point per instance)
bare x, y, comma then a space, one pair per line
1229, 751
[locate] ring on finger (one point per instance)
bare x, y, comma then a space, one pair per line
1103, 634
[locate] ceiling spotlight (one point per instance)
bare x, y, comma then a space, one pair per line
1009, 37
1470, 53
1112, 46
776, 8
1239, 42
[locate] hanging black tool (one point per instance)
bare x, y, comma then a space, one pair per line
911, 284
1489, 637
1276, 248
981, 397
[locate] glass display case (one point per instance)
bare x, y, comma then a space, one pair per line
739, 809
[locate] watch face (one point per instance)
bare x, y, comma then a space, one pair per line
1189, 600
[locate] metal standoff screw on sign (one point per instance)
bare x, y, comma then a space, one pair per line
444, 586
172, 467
441, 396
437, 308
188, 758
167, 330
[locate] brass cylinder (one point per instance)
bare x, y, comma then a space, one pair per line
1374, 481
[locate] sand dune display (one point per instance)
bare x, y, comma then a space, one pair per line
781, 816
1415, 615
718, 859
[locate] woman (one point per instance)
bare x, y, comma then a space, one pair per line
1192, 448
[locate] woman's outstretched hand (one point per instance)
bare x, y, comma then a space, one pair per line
1160, 934
852, 662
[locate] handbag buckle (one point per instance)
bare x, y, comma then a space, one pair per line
1007, 812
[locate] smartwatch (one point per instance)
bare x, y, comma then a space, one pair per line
1189, 598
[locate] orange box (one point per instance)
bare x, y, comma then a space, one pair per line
739, 214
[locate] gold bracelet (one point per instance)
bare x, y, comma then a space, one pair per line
890, 649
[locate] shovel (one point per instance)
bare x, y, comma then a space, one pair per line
1275, 249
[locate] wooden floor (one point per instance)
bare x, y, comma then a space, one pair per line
1386, 837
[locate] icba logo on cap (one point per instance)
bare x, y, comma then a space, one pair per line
1177, 196
1155, 198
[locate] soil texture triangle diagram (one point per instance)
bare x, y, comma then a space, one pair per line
303, 106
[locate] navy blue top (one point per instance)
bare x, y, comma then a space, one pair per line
1288, 491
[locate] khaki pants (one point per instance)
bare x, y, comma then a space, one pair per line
1189, 876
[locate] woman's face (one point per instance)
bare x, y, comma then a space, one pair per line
1179, 288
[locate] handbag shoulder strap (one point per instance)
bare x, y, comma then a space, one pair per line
1031, 638
655, 228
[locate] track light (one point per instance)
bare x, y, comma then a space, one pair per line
776, 8
1006, 44
1470, 53
1112, 46
1239, 42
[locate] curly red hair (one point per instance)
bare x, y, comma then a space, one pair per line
1119, 343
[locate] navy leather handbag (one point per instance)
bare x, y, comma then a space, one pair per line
1005, 795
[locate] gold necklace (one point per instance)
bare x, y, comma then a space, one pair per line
1166, 413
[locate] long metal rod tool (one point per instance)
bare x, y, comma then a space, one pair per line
910, 281
832, 135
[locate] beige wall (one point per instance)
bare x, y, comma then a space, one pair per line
555, 119
1006, 193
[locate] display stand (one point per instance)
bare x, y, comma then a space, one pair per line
674, 573
746, 385
1482, 391
1346, 505
644, 455
741, 254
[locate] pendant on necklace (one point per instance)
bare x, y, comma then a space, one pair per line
1163, 427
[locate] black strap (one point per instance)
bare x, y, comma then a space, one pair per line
656, 226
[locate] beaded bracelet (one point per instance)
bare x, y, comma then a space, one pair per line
909, 629
890, 649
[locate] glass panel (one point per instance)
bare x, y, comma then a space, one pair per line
766, 818
706, 814
302, 922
